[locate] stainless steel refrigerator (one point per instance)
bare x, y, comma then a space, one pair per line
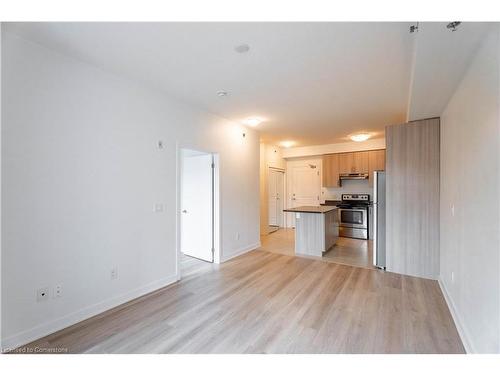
379, 219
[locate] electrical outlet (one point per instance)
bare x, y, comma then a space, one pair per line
452, 277
42, 294
158, 207
58, 291
114, 273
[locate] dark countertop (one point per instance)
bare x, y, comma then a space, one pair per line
311, 209
331, 203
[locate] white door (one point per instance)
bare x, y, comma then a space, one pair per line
197, 206
305, 186
276, 197
273, 218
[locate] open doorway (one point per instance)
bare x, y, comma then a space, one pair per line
275, 194
197, 220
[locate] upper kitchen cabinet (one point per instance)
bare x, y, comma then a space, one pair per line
376, 162
360, 160
331, 170
353, 162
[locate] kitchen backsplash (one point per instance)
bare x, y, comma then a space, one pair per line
348, 186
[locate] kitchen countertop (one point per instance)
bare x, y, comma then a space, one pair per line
312, 209
331, 203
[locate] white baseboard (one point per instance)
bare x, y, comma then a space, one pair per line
240, 251
456, 318
42, 330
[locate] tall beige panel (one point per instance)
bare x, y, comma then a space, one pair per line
412, 188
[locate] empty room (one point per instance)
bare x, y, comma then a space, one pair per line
250, 187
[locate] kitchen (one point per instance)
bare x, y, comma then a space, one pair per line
340, 206
336, 186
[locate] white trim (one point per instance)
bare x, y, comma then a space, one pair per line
464, 336
45, 329
240, 251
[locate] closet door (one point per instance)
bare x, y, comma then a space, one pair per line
273, 195
280, 188
412, 198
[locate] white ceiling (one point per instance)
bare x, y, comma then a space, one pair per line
314, 83
441, 59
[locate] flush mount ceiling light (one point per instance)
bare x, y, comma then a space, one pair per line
287, 144
360, 137
252, 121
242, 48
221, 94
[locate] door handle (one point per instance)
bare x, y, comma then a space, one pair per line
184, 211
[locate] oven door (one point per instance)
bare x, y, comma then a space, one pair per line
353, 217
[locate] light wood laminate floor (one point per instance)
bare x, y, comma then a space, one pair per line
348, 251
264, 302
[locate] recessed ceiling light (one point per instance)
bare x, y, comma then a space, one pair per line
360, 137
252, 121
221, 93
287, 144
242, 48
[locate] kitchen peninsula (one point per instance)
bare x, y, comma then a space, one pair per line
316, 229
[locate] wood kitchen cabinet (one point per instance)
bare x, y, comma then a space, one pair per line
353, 162
331, 170
376, 162
346, 161
360, 162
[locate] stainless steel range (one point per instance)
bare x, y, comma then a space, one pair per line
353, 215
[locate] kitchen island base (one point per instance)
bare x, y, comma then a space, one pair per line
316, 229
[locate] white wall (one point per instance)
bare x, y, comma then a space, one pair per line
470, 165
81, 174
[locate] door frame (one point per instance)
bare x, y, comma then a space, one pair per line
216, 219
